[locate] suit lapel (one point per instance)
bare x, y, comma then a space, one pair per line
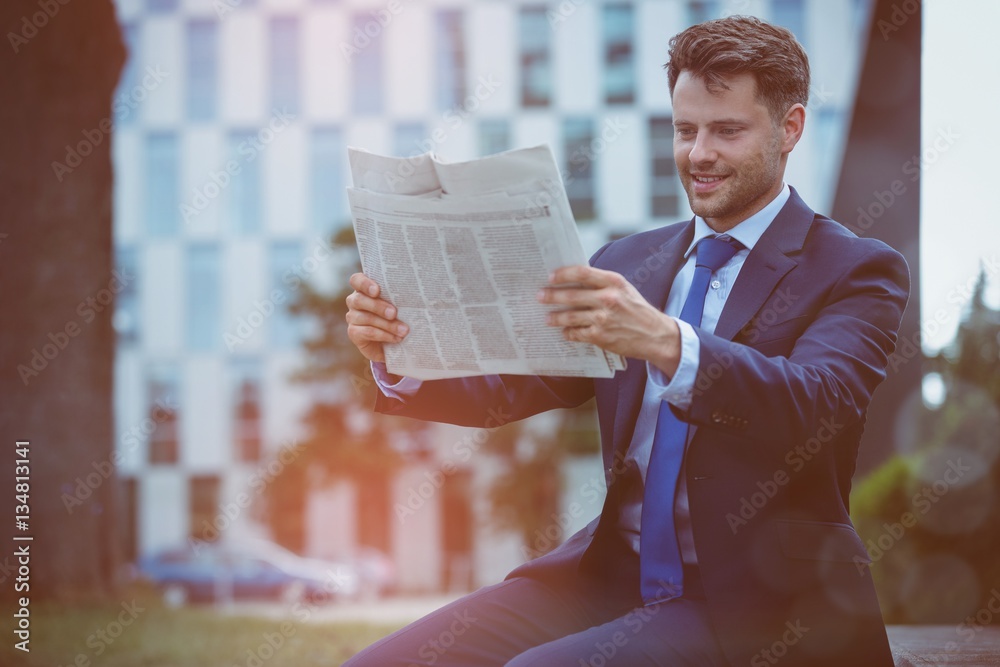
765, 266
655, 290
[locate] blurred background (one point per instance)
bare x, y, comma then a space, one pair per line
175, 173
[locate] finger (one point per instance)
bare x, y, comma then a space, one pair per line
365, 285
570, 297
365, 334
586, 275
360, 302
577, 318
365, 319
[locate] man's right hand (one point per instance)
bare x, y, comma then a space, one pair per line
371, 320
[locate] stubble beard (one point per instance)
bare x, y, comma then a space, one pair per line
741, 189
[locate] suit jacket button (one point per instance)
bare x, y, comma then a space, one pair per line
717, 417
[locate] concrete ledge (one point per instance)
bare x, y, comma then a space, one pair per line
944, 645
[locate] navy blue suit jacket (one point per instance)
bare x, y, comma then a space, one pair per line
780, 402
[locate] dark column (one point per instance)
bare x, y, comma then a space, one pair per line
59, 62
879, 191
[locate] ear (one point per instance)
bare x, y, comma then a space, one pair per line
792, 127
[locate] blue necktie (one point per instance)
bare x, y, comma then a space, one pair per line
660, 563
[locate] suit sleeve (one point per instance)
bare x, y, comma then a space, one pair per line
828, 379
487, 401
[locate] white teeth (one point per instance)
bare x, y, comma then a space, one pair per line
702, 179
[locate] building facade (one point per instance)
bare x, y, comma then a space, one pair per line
232, 121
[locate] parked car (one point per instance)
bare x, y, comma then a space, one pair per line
251, 570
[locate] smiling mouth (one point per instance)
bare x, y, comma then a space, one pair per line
704, 185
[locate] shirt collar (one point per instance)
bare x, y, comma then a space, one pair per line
750, 230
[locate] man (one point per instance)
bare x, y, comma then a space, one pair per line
741, 409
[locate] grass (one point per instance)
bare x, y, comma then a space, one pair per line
91, 636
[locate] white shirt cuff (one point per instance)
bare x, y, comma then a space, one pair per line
401, 390
679, 390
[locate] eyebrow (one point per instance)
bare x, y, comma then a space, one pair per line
721, 121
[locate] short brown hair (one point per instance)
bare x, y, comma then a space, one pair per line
744, 44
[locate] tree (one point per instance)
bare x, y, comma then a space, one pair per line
343, 441
930, 516
524, 498
59, 70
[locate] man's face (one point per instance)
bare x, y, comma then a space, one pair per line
730, 154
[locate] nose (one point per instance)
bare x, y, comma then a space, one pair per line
702, 149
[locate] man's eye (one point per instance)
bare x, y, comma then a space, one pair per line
684, 132
730, 131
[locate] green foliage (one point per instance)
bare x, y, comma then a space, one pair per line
526, 496
336, 446
930, 518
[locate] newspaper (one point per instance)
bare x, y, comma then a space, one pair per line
462, 249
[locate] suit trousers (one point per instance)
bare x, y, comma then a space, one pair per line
574, 620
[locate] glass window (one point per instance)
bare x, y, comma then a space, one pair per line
162, 196
285, 330
494, 136
536, 57
829, 140
203, 496
619, 61
366, 68
126, 108
411, 139
163, 398
790, 14
664, 185
161, 5
578, 135
449, 52
126, 317
326, 179
247, 428
203, 297
244, 192
285, 64
202, 69
700, 11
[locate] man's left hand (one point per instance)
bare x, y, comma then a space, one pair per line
603, 308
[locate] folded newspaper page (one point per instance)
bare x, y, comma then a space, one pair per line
461, 249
